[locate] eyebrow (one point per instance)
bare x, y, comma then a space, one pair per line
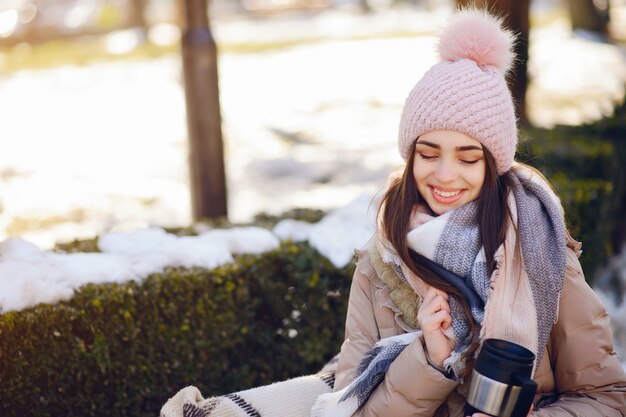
458, 148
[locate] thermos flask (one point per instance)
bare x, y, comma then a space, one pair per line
500, 384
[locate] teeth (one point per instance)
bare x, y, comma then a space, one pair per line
445, 193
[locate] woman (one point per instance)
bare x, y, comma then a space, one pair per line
463, 204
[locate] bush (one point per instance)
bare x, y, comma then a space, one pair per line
123, 350
585, 165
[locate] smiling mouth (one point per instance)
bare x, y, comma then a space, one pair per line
446, 194
446, 197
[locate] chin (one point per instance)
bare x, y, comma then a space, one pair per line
440, 209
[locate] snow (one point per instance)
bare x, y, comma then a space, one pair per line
30, 275
295, 230
338, 234
314, 124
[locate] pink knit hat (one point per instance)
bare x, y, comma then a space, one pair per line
466, 91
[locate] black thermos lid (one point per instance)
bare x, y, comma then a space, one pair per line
504, 361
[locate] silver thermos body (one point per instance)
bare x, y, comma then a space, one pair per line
501, 383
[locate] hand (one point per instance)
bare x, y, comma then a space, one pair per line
434, 317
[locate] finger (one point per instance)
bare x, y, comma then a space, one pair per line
426, 313
437, 303
447, 321
435, 321
432, 292
442, 318
441, 293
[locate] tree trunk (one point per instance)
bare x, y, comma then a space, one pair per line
365, 6
137, 16
179, 14
515, 13
585, 14
204, 123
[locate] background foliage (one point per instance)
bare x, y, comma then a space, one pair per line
585, 164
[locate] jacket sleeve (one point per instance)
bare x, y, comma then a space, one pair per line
411, 386
589, 378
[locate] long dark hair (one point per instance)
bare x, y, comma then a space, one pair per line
397, 207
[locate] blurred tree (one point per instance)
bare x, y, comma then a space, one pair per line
365, 6
206, 155
137, 14
179, 14
515, 14
592, 15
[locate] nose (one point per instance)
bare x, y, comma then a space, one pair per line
445, 171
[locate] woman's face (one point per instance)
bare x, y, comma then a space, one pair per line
449, 169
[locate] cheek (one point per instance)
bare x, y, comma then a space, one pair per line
416, 172
419, 176
477, 178
419, 171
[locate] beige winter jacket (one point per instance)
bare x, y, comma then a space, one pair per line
579, 375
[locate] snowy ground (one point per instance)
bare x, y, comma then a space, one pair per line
102, 148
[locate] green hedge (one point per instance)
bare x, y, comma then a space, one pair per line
122, 350
586, 165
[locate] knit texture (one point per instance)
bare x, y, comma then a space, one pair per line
369, 374
466, 91
290, 398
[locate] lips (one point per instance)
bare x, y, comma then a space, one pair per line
446, 196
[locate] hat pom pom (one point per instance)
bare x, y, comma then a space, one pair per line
479, 36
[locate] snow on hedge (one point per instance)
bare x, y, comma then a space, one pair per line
30, 275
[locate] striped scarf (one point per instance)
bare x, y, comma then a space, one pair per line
290, 398
520, 297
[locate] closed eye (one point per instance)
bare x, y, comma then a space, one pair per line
427, 157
